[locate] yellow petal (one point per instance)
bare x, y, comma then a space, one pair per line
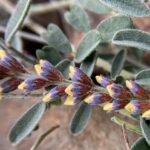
109, 89
69, 101
130, 107
146, 114
47, 98
68, 90
38, 69
108, 107
2, 54
88, 99
22, 86
128, 84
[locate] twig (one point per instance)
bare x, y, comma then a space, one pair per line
26, 35
43, 136
48, 7
125, 137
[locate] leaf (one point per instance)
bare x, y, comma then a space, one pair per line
16, 19
27, 123
63, 67
118, 63
78, 18
128, 126
143, 77
56, 38
40, 54
52, 55
94, 6
110, 26
132, 37
88, 64
145, 130
80, 118
88, 44
133, 8
140, 144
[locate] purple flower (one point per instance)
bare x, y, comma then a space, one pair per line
54, 93
32, 84
137, 90
97, 98
47, 71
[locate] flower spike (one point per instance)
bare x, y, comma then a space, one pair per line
97, 98
47, 71
32, 84
137, 90
54, 93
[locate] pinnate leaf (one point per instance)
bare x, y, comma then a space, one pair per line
133, 8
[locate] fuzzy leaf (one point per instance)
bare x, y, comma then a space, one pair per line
16, 19
52, 55
145, 130
88, 64
63, 67
94, 6
133, 38
143, 77
110, 26
56, 38
133, 8
78, 18
80, 118
40, 54
118, 63
88, 44
140, 144
27, 123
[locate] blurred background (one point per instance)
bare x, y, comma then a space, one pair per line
101, 133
